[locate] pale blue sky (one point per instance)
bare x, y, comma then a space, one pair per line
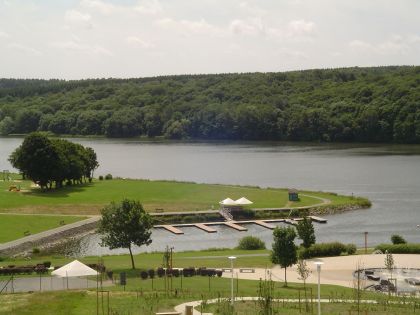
75, 39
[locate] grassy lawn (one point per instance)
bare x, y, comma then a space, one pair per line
14, 226
213, 258
139, 298
167, 195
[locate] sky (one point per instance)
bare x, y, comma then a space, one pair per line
76, 39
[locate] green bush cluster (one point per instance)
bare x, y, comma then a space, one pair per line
408, 248
326, 250
398, 239
250, 243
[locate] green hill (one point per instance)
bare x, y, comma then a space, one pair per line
380, 104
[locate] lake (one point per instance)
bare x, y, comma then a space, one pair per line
386, 174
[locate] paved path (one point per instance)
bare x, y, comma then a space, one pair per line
42, 235
335, 270
196, 304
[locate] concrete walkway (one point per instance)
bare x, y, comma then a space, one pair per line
196, 304
45, 234
335, 270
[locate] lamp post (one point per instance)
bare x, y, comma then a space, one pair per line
318, 269
366, 235
231, 258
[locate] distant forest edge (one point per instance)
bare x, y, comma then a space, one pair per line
379, 104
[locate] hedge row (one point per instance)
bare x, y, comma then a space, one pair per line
409, 248
39, 268
23, 270
186, 272
326, 250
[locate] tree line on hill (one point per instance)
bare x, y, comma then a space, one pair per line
380, 104
46, 161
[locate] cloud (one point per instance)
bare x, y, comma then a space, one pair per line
189, 27
82, 48
138, 41
77, 17
396, 45
148, 7
300, 28
25, 49
101, 6
247, 27
4, 35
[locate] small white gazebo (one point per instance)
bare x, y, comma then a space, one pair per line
74, 269
228, 202
243, 201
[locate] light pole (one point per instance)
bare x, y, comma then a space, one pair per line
231, 258
318, 269
366, 235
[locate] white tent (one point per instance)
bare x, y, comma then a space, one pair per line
243, 201
74, 269
228, 202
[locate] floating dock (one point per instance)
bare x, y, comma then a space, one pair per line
318, 219
204, 227
235, 226
170, 228
265, 224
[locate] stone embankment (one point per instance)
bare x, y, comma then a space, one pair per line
27, 243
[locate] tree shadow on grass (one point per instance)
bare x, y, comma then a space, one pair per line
63, 192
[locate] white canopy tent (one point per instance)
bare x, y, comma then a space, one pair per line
243, 201
228, 202
74, 269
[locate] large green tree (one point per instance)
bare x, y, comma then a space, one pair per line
125, 224
47, 161
284, 251
306, 232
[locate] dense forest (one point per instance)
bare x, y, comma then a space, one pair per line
380, 104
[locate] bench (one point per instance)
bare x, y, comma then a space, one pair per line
159, 210
247, 270
169, 313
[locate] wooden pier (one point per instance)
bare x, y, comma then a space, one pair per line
268, 223
170, 228
204, 227
235, 226
318, 219
265, 224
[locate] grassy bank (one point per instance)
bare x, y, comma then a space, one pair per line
166, 195
16, 226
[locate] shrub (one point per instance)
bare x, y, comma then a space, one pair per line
36, 250
398, 239
151, 273
101, 177
323, 250
188, 272
144, 275
408, 248
251, 243
108, 177
351, 249
160, 272
47, 264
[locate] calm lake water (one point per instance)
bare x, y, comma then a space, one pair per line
389, 175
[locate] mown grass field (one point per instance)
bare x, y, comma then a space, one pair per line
14, 226
210, 258
138, 298
167, 195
